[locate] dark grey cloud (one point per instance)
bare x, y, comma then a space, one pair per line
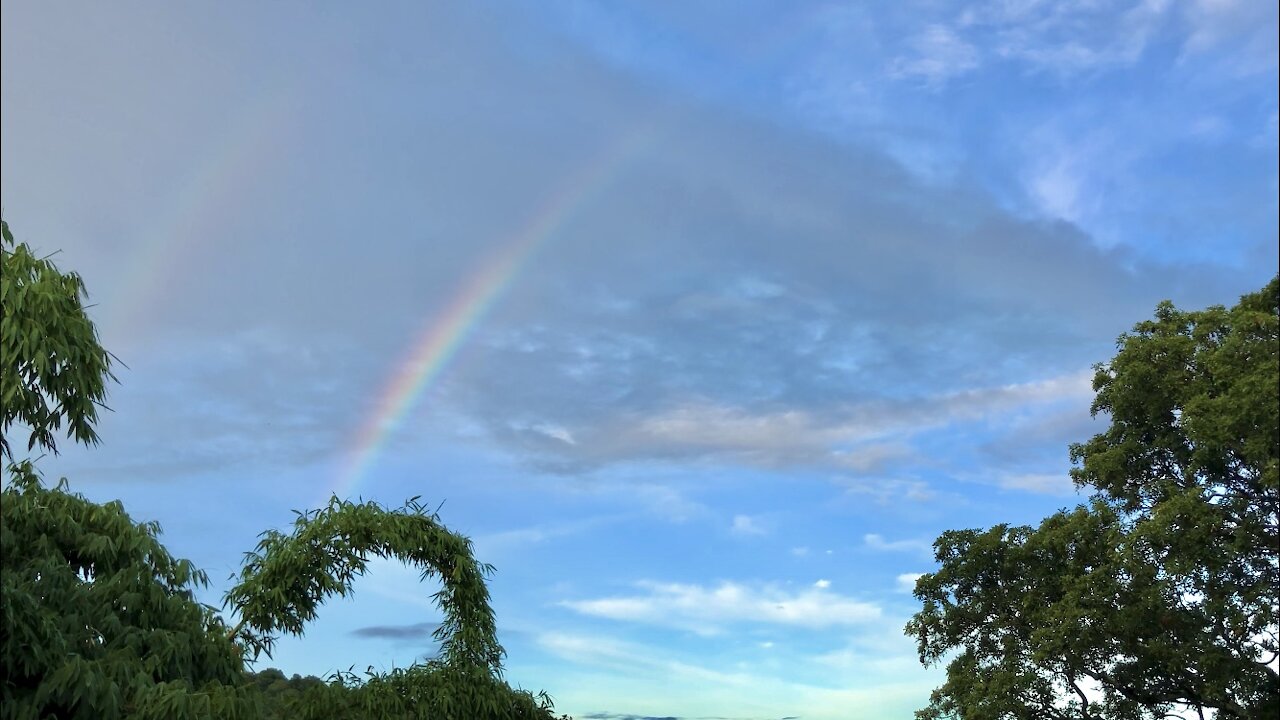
416, 631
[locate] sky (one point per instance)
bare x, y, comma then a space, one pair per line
701, 320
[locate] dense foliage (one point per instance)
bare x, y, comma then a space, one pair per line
1160, 595
49, 350
99, 621
280, 693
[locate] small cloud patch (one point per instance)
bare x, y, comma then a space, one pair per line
396, 632
877, 542
907, 581
744, 525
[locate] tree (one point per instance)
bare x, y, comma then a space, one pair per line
280, 694
50, 350
1159, 596
98, 620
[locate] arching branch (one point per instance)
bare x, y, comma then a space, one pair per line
287, 577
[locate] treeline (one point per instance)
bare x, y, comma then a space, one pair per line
281, 695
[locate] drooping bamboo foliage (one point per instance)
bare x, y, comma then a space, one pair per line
98, 620
330, 547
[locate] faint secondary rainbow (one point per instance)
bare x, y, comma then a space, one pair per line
188, 220
443, 334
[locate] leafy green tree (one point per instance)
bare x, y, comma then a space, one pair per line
1160, 595
50, 351
279, 693
99, 621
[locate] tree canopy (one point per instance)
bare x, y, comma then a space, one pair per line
99, 621
1159, 596
50, 350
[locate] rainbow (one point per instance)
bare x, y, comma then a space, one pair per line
442, 335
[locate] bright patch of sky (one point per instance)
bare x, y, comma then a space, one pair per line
789, 289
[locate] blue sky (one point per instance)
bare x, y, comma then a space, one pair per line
840, 293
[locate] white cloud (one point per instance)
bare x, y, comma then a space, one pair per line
822, 584
1057, 187
888, 490
906, 582
747, 525
706, 610
871, 457
877, 542
1046, 483
734, 429
800, 551
939, 54
556, 432
1067, 37
1246, 27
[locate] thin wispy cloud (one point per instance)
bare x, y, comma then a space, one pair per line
938, 55
716, 687
885, 491
1069, 37
878, 543
862, 436
1049, 484
629, 656
708, 610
